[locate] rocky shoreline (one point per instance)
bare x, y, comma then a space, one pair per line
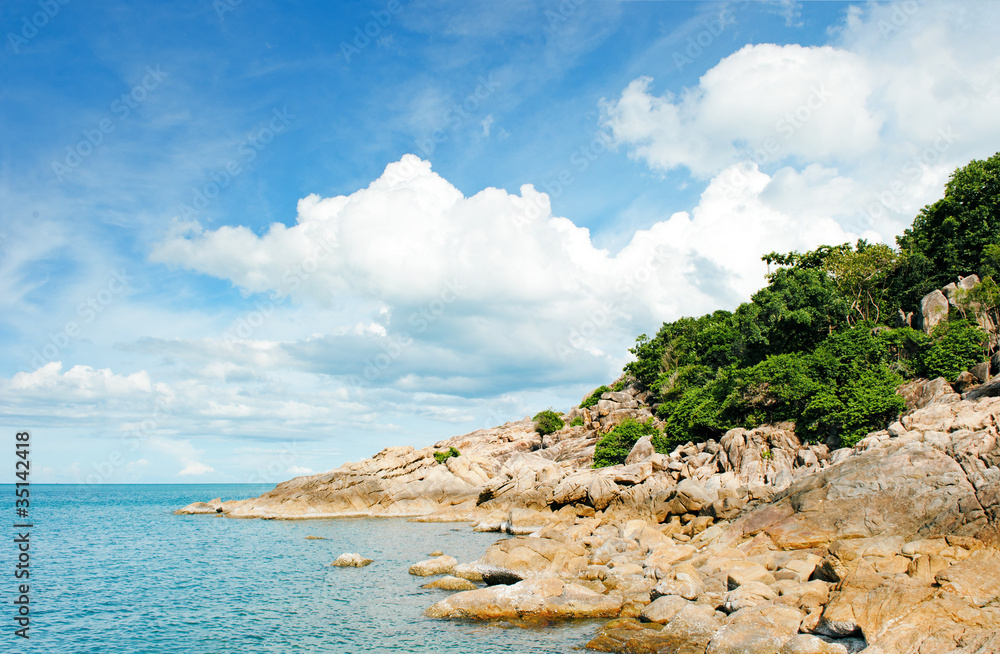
752, 544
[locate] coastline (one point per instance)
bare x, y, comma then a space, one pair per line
715, 546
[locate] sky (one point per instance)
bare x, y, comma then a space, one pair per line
245, 241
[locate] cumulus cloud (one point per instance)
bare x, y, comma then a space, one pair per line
905, 93
469, 288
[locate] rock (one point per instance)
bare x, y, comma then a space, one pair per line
901, 487
742, 572
692, 495
686, 585
351, 560
976, 579
688, 632
642, 450
451, 583
920, 393
981, 371
535, 557
934, 308
436, 553
760, 630
747, 595
547, 598
662, 609
441, 565
809, 644
198, 508
964, 382
468, 571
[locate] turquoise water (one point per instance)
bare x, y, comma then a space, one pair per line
113, 571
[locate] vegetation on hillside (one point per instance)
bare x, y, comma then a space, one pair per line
821, 344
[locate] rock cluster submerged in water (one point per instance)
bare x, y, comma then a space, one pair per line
752, 544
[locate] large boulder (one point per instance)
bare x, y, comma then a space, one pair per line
934, 308
441, 565
548, 598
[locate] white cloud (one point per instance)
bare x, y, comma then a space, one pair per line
80, 383
486, 293
907, 92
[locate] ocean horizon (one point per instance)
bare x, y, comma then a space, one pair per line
112, 570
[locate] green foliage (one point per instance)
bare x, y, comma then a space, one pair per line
956, 232
862, 276
614, 447
443, 456
799, 308
577, 422
595, 397
618, 386
958, 345
548, 422
817, 344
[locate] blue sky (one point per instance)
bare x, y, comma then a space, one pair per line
241, 241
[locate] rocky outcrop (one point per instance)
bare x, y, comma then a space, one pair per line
351, 560
756, 542
538, 598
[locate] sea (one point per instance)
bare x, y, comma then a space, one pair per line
112, 570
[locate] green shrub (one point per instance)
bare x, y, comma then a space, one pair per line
577, 422
595, 397
958, 345
618, 386
614, 447
548, 422
441, 457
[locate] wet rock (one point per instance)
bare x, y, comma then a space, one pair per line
351, 560
441, 565
451, 583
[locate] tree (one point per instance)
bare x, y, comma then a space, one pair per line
548, 422
862, 276
797, 310
955, 232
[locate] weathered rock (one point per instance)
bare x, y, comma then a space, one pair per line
686, 585
642, 450
688, 632
759, 630
441, 565
809, 644
541, 598
451, 583
662, 609
934, 308
920, 393
536, 557
351, 560
747, 595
